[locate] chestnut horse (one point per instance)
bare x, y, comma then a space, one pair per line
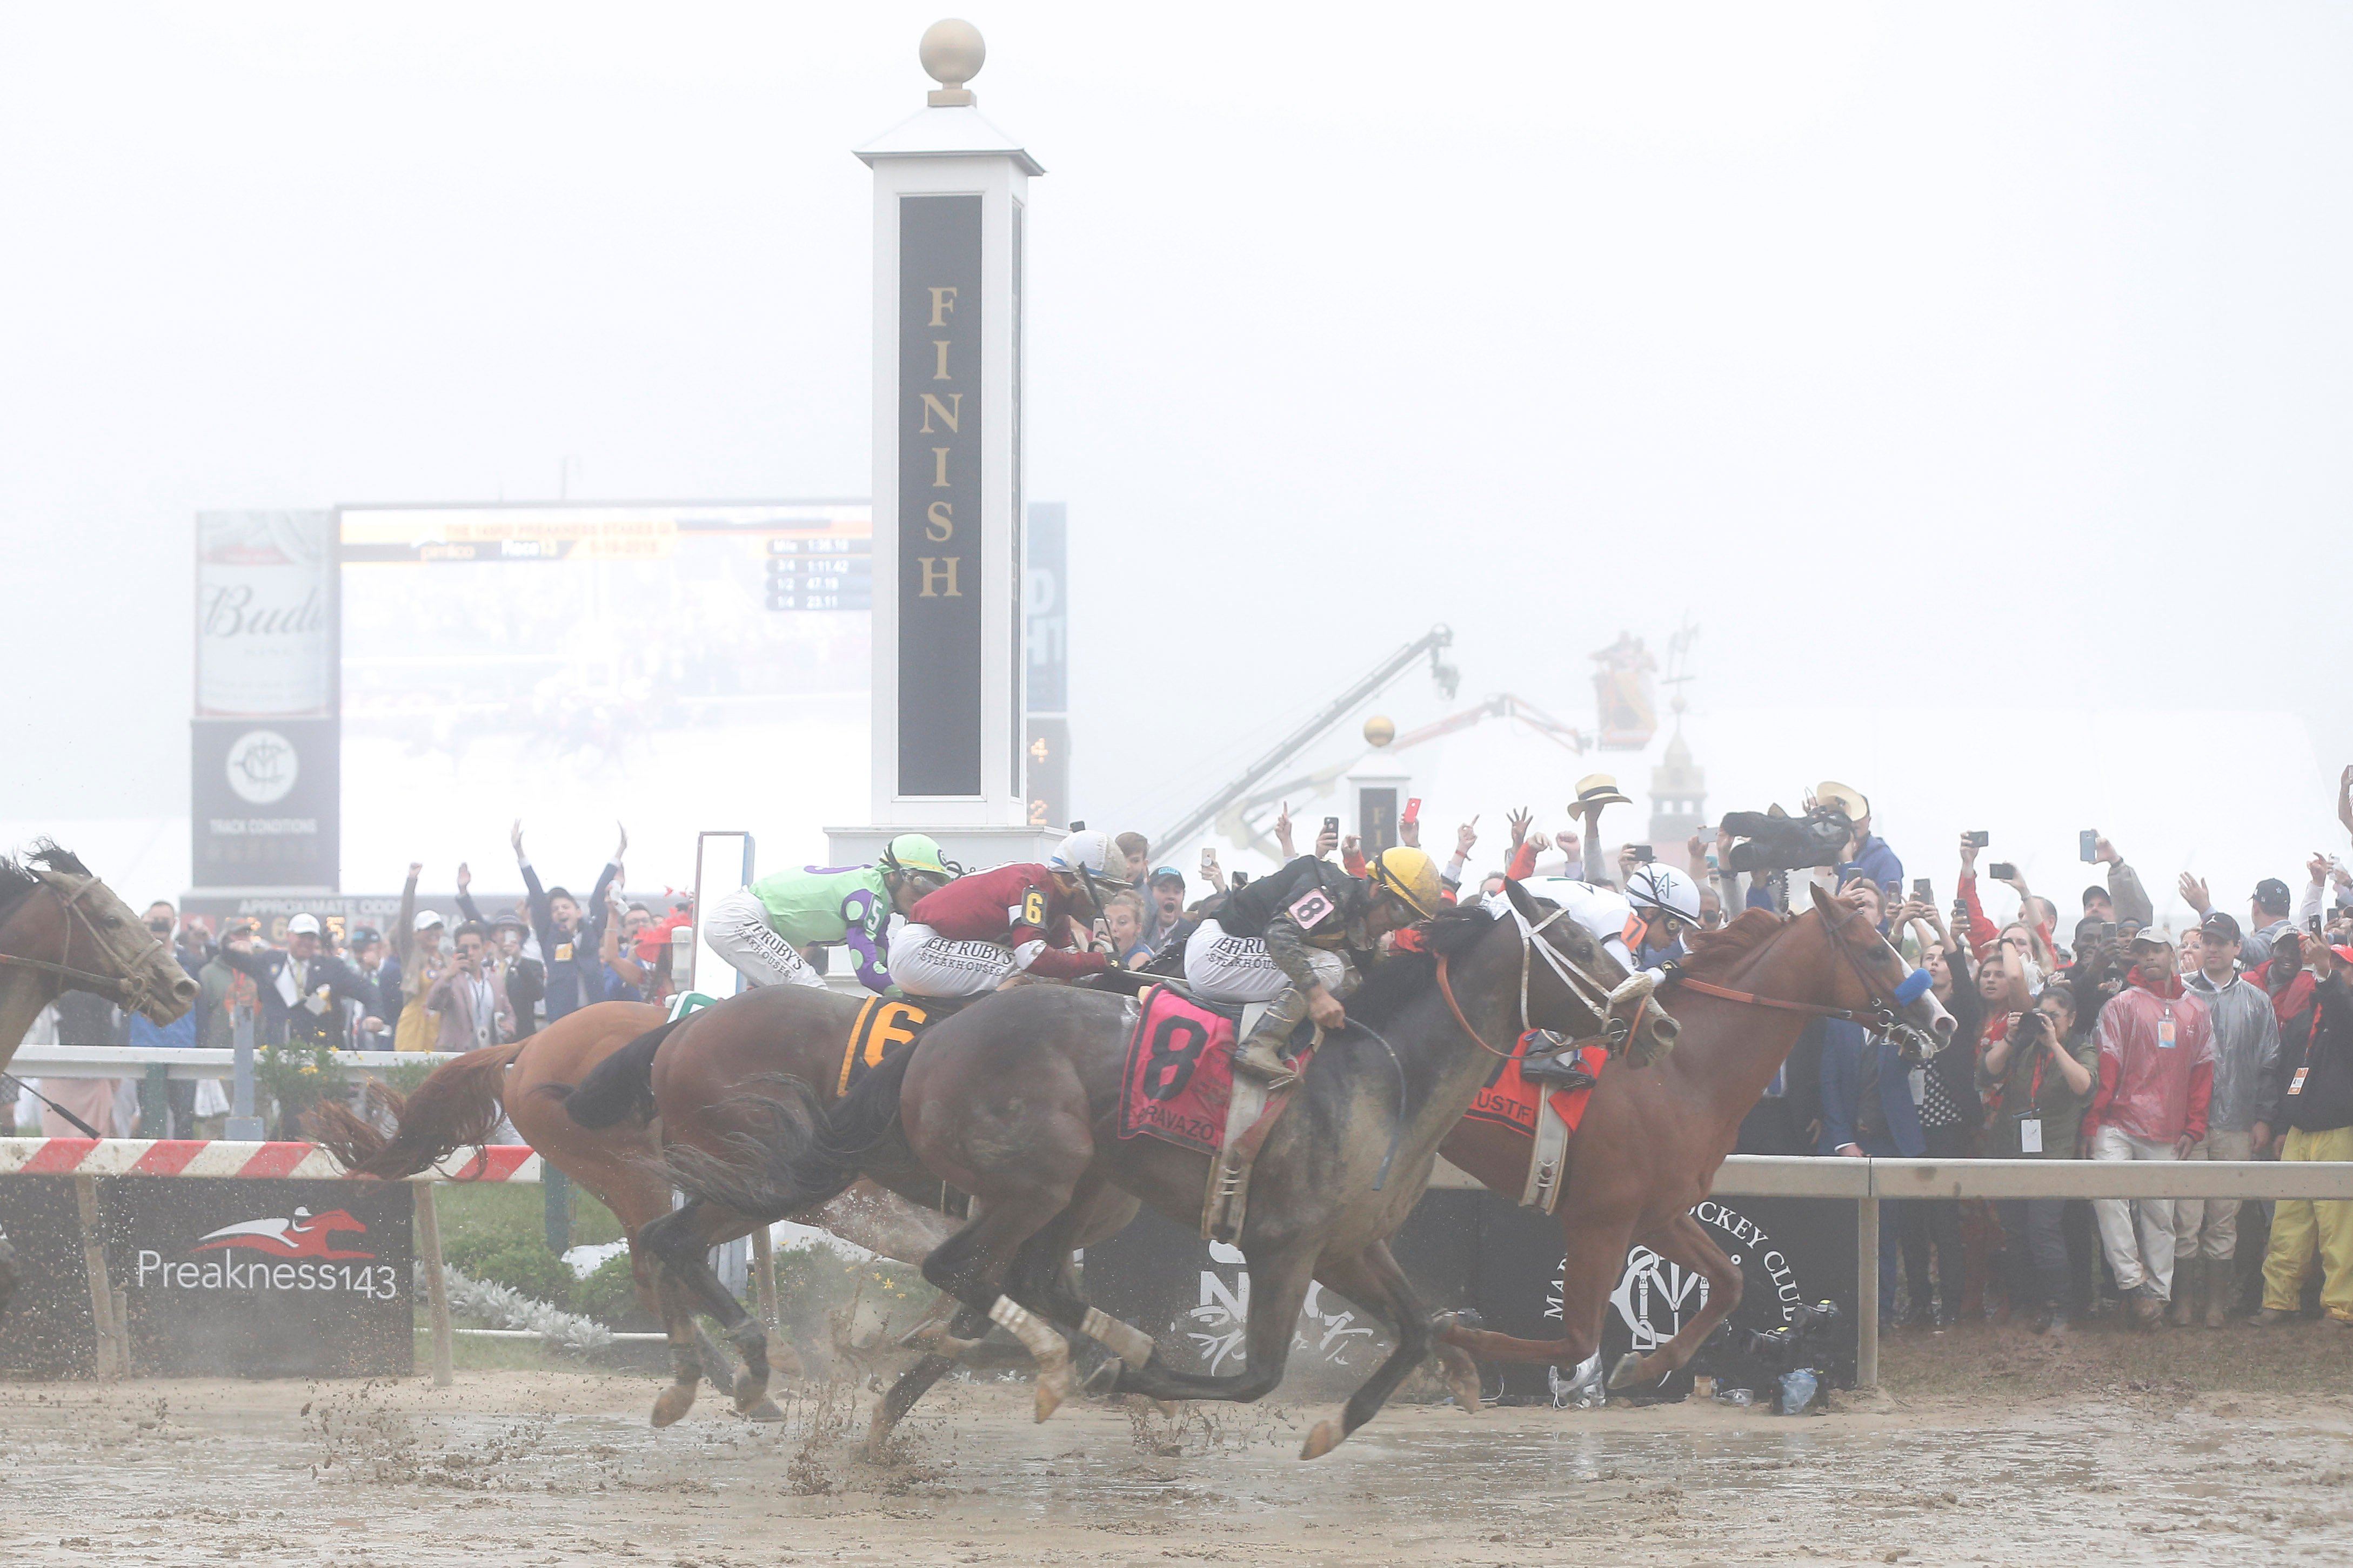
61, 929
1650, 1145
1015, 1100
459, 1104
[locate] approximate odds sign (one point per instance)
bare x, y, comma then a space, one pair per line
221, 1277
939, 521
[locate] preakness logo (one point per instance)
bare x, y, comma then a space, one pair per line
262, 766
302, 1234
1654, 1298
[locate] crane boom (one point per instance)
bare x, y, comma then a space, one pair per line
1368, 687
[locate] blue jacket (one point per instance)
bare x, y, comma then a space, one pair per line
1876, 862
1843, 1043
575, 975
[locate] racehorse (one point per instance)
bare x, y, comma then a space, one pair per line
459, 1104
1016, 1099
1650, 1144
61, 929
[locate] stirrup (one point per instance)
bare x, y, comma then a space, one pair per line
1560, 1070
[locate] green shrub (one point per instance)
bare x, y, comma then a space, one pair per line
609, 1295
527, 1266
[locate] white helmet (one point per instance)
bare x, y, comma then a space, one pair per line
1665, 890
1086, 852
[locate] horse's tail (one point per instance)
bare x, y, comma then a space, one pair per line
619, 1086
802, 1152
459, 1106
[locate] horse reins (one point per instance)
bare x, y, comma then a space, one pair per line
1880, 1017
1570, 974
121, 989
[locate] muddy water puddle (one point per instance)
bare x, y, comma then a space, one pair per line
510, 1468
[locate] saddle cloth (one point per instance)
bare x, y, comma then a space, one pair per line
885, 1023
1179, 1076
1507, 1100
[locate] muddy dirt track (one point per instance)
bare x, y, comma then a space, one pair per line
559, 1468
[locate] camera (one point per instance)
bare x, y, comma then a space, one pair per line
1644, 854
1803, 1340
2030, 1023
1787, 843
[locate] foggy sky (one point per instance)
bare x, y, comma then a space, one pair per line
1954, 358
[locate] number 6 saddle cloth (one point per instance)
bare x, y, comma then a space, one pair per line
1178, 1082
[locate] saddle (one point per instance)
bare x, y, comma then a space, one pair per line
888, 1024
1179, 1085
1547, 1115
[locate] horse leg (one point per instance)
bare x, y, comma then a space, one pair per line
1278, 1290
680, 1242
966, 1330
1373, 1280
686, 1366
1596, 1252
1683, 1240
972, 1265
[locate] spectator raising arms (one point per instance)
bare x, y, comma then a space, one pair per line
299, 986
575, 971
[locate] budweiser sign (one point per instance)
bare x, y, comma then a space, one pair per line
265, 627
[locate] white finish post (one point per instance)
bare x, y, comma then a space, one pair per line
436, 1283
950, 198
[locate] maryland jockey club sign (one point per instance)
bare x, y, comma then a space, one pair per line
221, 1277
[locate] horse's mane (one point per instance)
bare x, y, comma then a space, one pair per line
18, 880
1397, 980
1719, 952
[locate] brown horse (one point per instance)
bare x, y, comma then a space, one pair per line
530, 1082
61, 929
1016, 1101
1650, 1145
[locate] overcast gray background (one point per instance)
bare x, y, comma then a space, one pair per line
1926, 355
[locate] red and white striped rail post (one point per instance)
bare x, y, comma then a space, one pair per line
86, 1159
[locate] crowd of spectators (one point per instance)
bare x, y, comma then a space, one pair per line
424, 987
2111, 1039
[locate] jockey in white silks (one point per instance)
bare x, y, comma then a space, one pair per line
1640, 928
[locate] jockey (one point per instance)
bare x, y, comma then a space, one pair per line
1285, 939
761, 929
986, 929
1640, 928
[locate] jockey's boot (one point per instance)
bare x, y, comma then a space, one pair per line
1266, 1054
1557, 1065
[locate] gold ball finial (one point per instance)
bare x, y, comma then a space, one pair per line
952, 52
1379, 730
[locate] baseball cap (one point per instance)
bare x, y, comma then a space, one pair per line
302, 925
427, 919
1166, 874
509, 918
2272, 893
2220, 926
2151, 937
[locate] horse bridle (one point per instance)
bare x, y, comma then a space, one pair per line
122, 990
1884, 1017
1586, 987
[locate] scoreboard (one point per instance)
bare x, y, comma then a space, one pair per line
820, 572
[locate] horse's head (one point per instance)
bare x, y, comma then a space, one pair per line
1567, 979
74, 921
1875, 982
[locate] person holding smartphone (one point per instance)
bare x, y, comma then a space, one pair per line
2039, 1077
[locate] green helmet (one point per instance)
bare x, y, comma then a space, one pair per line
916, 852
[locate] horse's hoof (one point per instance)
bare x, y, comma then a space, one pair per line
750, 1393
1627, 1371
1322, 1441
1171, 1408
673, 1403
782, 1358
1053, 1387
1461, 1376
765, 1411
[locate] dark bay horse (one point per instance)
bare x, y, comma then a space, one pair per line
61, 929
618, 1158
1650, 1142
1016, 1101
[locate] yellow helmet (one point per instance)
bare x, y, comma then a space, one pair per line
1410, 877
